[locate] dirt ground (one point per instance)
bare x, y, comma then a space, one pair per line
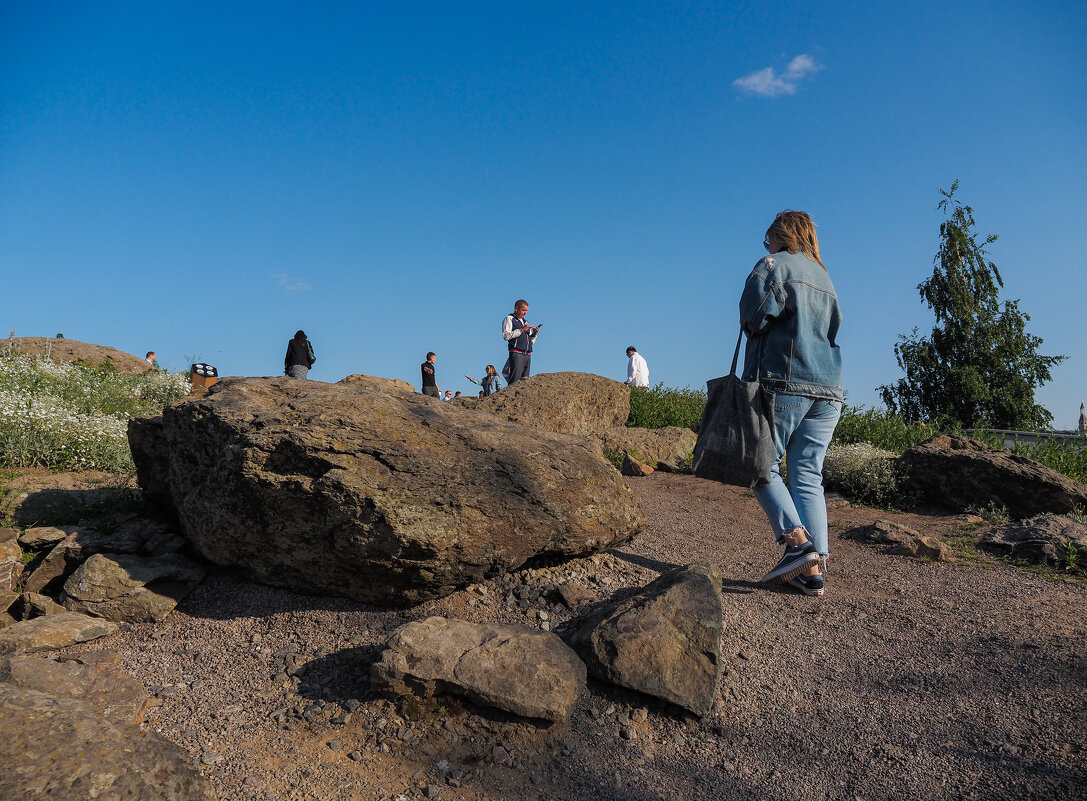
906, 680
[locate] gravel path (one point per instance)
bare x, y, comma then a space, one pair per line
907, 680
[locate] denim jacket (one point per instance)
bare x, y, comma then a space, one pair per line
789, 310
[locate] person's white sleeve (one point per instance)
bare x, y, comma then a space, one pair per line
508, 331
630, 370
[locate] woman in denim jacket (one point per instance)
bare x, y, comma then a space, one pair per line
789, 310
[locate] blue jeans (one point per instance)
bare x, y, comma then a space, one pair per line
802, 431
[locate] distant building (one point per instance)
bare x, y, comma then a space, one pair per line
1082, 419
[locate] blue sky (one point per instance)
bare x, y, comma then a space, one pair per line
202, 179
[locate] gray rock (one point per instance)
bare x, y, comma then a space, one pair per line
53, 632
664, 641
1041, 539
95, 677
126, 587
41, 537
383, 497
515, 668
568, 403
900, 540
957, 472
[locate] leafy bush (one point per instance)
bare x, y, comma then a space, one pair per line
1067, 458
72, 417
865, 474
880, 428
666, 406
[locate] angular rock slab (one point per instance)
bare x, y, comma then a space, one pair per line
1042, 539
569, 403
669, 445
515, 668
958, 472
61, 748
40, 537
52, 632
383, 497
900, 540
664, 641
135, 589
96, 677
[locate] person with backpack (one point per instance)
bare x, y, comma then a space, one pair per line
299, 358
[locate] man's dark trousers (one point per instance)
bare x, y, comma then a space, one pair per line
520, 366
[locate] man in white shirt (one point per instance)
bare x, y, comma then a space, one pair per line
637, 369
520, 338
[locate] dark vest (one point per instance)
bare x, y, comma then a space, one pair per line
522, 343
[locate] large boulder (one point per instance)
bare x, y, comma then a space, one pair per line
131, 588
514, 668
85, 353
1052, 539
664, 640
569, 403
958, 473
383, 497
62, 748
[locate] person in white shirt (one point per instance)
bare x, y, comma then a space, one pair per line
520, 338
637, 369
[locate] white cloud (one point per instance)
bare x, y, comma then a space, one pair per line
767, 83
290, 283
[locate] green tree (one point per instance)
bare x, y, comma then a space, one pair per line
979, 367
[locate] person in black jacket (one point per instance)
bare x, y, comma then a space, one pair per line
299, 358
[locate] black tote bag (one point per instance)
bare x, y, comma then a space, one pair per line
736, 436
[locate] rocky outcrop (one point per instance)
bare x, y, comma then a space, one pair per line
957, 473
96, 677
378, 384
52, 632
568, 403
900, 540
1052, 539
131, 588
514, 668
664, 641
62, 748
72, 350
386, 498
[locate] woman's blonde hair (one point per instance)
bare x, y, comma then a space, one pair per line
491, 370
795, 231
